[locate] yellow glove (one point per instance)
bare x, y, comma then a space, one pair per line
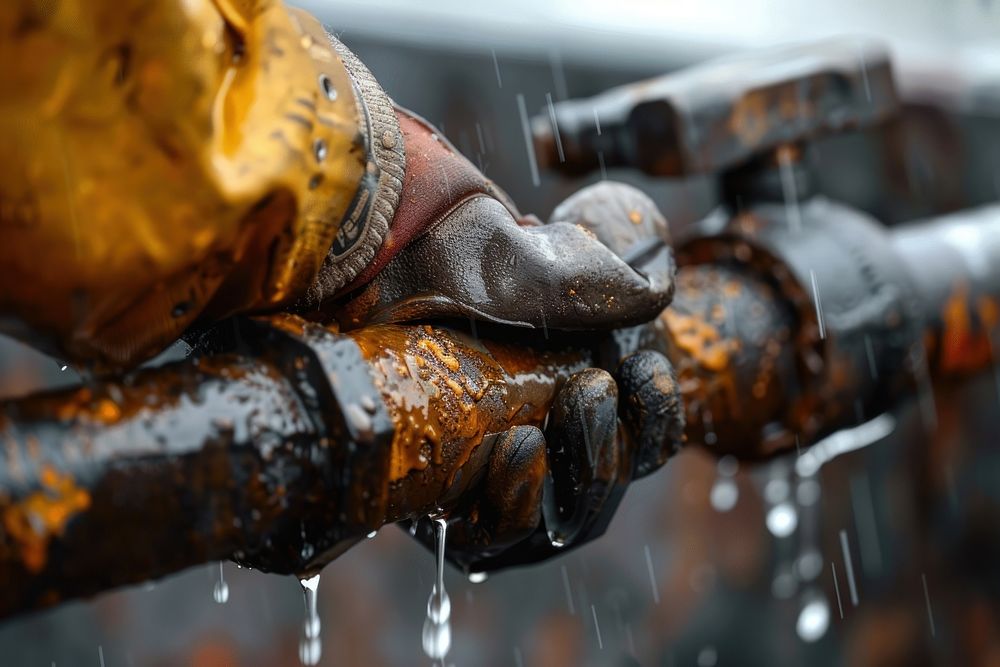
165, 160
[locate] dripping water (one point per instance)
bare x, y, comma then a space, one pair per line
310, 646
220, 592
814, 609
814, 618
437, 627
782, 517
725, 494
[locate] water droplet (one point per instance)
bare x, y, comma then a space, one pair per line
728, 466
326, 85
319, 150
807, 492
558, 541
776, 490
181, 309
814, 619
436, 636
64, 367
372, 534
310, 645
220, 592
784, 584
477, 577
782, 519
724, 494
809, 565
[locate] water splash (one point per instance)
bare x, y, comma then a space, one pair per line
437, 628
220, 592
310, 646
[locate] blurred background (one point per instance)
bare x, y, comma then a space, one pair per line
889, 555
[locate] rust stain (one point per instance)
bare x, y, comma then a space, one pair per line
445, 392
34, 521
420, 376
700, 340
967, 325
748, 120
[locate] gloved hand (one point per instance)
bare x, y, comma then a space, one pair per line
176, 181
544, 491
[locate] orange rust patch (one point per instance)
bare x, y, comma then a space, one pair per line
748, 119
454, 392
967, 327
435, 348
429, 390
36, 519
700, 340
664, 383
732, 289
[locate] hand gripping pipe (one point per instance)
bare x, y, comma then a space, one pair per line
291, 442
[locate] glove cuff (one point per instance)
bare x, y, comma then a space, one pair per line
367, 220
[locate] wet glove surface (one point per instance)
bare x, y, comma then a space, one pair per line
555, 488
458, 247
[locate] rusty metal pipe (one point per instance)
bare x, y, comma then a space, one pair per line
955, 265
134, 480
255, 459
285, 452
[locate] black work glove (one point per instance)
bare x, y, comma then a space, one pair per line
550, 490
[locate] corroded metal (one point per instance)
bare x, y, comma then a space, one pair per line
280, 461
955, 264
717, 116
292, 445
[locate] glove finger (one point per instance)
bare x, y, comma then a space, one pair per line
479, 262
507, 505
589, 469
626, 220
650, 408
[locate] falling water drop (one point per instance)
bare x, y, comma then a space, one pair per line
785, 583
782, 519
310, 646
220, 592
437, 627
776, 490
809, 565
807, 492
64, 367
814, 619
372, 534
708, 657
725, 494
477, 577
